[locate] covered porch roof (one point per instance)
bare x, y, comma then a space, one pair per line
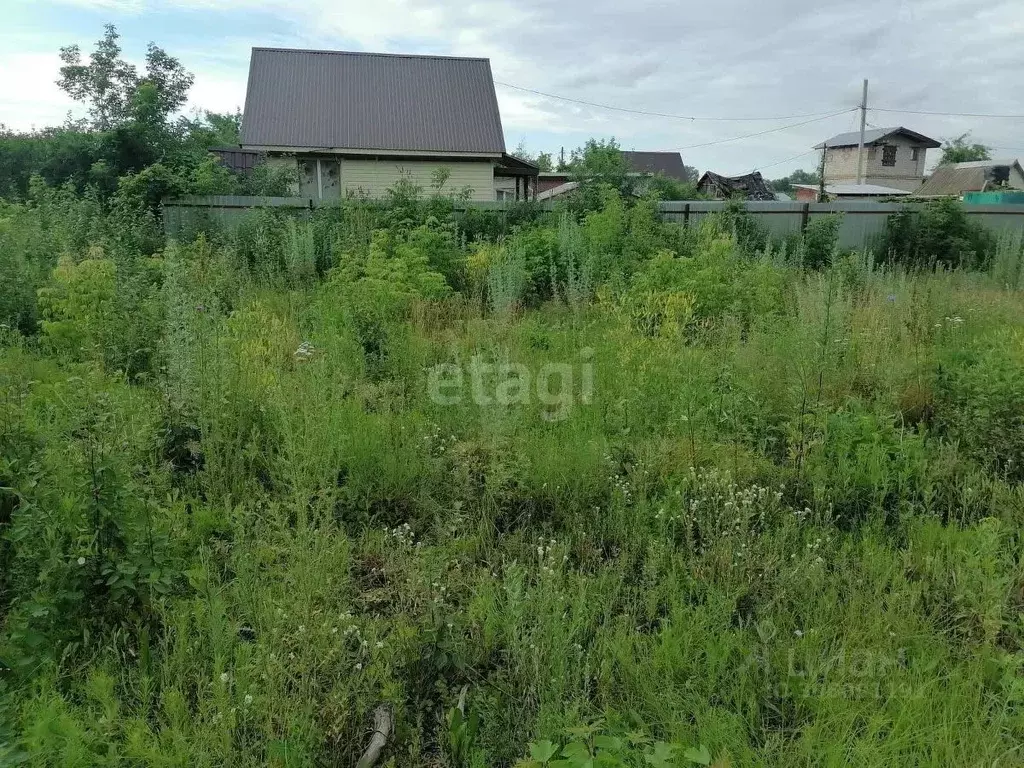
510, 165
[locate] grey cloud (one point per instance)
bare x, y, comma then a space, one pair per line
739, 58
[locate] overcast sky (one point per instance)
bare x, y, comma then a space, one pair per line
727, 58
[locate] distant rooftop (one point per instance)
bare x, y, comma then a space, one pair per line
983, 163
977, 176
876, 135
668, 163
849, 190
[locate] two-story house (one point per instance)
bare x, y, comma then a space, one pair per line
893, 157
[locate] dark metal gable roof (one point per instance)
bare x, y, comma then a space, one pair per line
668, 163
340, 100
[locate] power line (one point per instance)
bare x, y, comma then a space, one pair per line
949, 114
651, 113
761, 133
654, 114
787, 160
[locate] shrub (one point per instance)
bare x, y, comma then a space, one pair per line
715, 282
750, 233
940, 234
79, 310
820, 241
979, 404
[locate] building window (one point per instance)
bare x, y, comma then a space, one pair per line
889, 155
915, 154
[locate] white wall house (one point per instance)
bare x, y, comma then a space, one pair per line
893, 157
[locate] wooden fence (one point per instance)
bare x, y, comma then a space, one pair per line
863, 222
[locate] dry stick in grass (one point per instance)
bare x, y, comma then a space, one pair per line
382, 726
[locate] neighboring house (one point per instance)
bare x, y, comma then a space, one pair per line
956, 179
809, 192
893, 157
357, 123
752, 186
669, 164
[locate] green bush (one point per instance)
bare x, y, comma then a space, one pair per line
820, 241
717, 281
979, 405
940, 234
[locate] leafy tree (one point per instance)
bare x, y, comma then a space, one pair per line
959, 150
665, 188
169, 78
58, 155
222, 127
600, 161
785, 184
110, 85
107, 82
542, 160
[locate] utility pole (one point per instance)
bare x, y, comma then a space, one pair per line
821, 177
863, 123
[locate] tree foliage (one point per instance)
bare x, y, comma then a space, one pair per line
961, 150
134, 141
110, 85
785, 184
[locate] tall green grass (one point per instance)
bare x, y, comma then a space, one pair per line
783, 530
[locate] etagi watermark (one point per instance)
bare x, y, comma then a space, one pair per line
554, 385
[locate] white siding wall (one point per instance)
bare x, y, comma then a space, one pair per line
374, 177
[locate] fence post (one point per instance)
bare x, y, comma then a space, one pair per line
686, 215
805, 217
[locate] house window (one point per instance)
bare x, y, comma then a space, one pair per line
889, 155
915, 154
